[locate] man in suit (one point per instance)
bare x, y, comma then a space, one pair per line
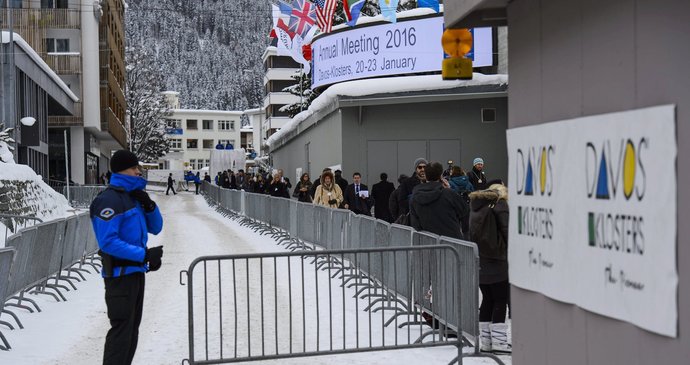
355, 198
380, 193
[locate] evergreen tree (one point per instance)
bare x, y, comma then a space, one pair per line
303, 89
146, 106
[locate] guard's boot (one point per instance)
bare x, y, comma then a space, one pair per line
500, 338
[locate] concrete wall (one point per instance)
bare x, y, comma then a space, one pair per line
391, 137
325, 148
575, 58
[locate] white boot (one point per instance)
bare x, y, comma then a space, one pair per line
500, 338
484, 337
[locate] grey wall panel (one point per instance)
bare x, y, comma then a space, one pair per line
442, 150
325, 148
525, 48
616, 55
408, 152
382, 156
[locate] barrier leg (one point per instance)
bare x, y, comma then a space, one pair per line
5, 345
16, 319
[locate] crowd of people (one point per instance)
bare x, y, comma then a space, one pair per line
449, 202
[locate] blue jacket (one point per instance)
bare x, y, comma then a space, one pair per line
121, 225
460, 184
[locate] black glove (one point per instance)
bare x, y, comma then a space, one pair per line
143, 198
332, 201
153, 257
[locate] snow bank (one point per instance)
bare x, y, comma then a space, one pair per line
381, 86
22, 192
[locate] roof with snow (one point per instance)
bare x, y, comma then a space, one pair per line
404, 89
21, 43
206, 111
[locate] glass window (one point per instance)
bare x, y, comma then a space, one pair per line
192, 164
224, 141
50, 44
175, 144
192, 124
207, 163
62, 45
17, 4
192, 144
208, 144
207, 124
226, 125
173, 123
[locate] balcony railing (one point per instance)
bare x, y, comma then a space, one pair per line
110, 123
44, 18
64, 63
76, 120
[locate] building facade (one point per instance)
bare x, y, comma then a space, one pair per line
279, 72
570, 59
83, 42
194, 133
38, 93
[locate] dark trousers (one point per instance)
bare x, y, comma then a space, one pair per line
494, 302
124, 297
196, 186
169, 188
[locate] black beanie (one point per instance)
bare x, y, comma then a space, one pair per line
122, 160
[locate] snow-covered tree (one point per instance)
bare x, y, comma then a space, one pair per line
6, 144
146, 106
303, 89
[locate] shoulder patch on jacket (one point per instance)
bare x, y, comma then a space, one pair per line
106, 213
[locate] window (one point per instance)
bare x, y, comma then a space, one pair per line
208, 144
16, 4
54, 4
226, 125
175, 144
57, 45
192, 164
191, 124
226, 141
192, 144
207, 124
173, 123
207, 163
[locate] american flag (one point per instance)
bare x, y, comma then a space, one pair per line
324, 14
303, 17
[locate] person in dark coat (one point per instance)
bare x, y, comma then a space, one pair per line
171, 181
393, 199
489, 229
477, 176
436, 208
207, 177
408, 185
233, 180
354, 199
284, 179
317, 182
259, 184
197, 182
381, 192
340, 181
278, 188
302, 189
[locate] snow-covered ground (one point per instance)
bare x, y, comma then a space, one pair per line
73, 332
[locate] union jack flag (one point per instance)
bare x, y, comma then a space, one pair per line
303, 17
324, 14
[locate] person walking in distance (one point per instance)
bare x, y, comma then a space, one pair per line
477, 176
302, 189
328, 193
393, 199
122, 217
381, 192
489, 229
356, 197
171, 182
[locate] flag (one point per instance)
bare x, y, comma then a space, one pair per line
324, 14
281, 14
389, 9
352, 12
433, 4
303, 17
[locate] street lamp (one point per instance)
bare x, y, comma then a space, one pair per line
28, 121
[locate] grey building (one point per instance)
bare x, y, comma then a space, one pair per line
386, 132
578, 58
31, 89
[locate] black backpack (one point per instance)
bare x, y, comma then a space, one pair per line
487, 235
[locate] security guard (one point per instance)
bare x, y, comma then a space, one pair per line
122, 216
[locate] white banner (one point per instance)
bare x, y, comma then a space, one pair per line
593, 214
405, 47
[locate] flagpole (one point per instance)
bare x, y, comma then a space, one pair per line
301, 92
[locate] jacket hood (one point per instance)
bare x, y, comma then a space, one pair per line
459, 178
482, 198
328, 173
129, 183
427, 193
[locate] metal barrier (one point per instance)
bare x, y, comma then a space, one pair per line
82, 196
404, 284
273, 306
41, 254
15, 222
